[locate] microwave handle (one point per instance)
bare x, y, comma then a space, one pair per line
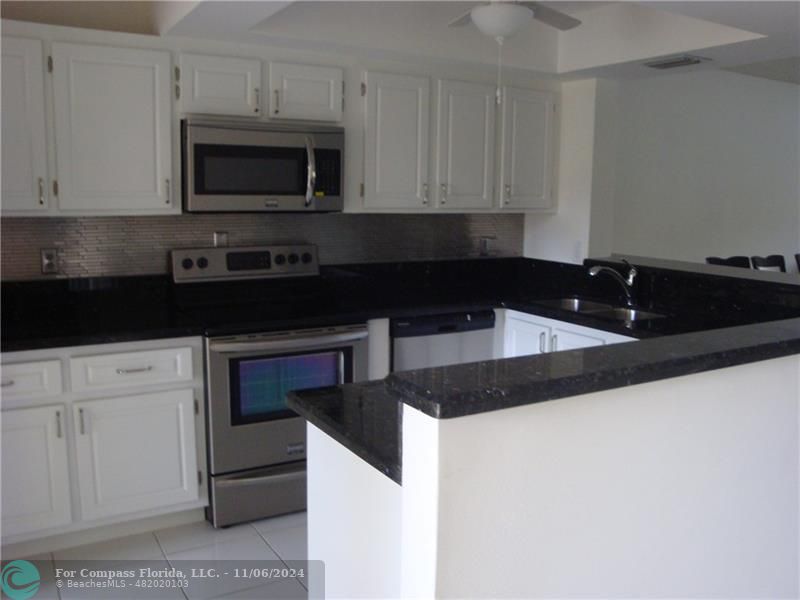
311, 181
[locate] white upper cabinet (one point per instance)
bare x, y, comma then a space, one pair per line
465, 145
527, 149
220, 85
135, 453
113, 118
24, 176
35, 473
305, 92
397, 138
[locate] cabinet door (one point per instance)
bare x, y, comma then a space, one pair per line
135, 453
569, 338
524, 337
465, 145
305, 92
113, 129
24, 171
396, 141
526, 161
220, 85
35, 476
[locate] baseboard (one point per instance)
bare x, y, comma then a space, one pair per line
100, 534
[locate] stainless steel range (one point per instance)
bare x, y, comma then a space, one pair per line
256, 444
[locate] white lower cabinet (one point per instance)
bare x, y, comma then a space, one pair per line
35, 475
135, 453
523, 337
80, 452
526, 334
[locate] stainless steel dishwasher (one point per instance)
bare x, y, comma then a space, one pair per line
442, 339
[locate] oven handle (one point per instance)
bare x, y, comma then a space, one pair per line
290, 344
311, 181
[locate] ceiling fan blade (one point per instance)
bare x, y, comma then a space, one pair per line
551, 16
462, 20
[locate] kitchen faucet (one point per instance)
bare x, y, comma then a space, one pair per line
626, 283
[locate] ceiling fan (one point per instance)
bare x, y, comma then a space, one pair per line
500, 19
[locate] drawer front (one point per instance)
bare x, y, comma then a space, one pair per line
31, 380
131, 369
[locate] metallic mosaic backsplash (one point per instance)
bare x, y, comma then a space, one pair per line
99, 246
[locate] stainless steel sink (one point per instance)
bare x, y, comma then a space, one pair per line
576, 305
601, 310
629, 315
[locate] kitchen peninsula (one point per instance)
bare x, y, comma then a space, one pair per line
664, 467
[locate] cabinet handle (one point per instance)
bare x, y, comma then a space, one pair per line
443, 195
425, 194
81, 421
277, 101
258, 99
169, 191
508, 193
41, 191
136, 370
6, 384
541, 343
554, 343
58, 424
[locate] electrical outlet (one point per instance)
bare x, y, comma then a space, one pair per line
485, 245
50, 264
220, 239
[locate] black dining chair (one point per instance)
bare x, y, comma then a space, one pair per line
733, 261
773, 262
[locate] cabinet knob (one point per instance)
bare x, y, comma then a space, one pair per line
257, 94
41, 191
443, 195
508, 193
425, 194
277, 101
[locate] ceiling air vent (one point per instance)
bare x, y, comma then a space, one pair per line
675, 61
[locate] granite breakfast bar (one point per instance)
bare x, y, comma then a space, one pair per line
662, 467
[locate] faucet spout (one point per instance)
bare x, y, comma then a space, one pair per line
625, 282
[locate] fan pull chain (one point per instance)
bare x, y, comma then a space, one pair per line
498, 91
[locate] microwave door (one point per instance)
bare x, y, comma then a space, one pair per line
248, 170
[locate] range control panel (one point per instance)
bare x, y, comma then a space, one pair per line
251, 262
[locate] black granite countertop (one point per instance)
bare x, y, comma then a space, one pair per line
713, 320
363, 418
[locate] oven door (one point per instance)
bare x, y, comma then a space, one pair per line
228, 169
250, 425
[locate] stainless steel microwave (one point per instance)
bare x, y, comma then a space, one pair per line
235, 166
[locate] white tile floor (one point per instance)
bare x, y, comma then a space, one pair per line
277, 539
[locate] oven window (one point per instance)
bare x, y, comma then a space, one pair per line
249, 170
259, 384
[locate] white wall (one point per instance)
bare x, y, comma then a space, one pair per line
707, 164
686, 487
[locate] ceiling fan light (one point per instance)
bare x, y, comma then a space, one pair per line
500, 19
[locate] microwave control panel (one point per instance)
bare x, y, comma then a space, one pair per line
252, 262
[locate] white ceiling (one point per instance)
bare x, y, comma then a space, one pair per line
613, 41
